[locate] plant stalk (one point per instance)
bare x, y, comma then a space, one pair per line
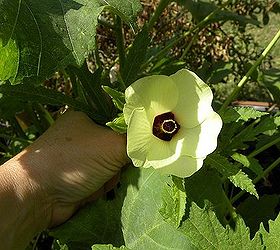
120, 41
264, 147
161, 6
237, 89
198, 27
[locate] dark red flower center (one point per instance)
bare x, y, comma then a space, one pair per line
165, 126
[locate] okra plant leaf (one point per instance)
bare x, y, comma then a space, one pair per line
174, 203
126, 9
250, 163
232, 172
136, 56
47, 35
27, 92
271, 239
118, 124
205, 231
245, 113
132, 218
256, 211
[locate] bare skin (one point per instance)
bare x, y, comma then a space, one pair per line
47, 182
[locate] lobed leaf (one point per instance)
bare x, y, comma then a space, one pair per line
174, 204
244, 113
206, 232
271, 239
256, 211
232, 172
250, 163
48, 35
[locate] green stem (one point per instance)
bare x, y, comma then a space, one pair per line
161, 6
45, 118
264, 147
198, 27
8, 137
120, 41
237, 89
189, 46
258, 178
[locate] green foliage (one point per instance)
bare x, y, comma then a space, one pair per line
118, 124
136, 56
35, 27
256, 211
241, 114
132, 217
174, 203
232, 172
127, 10
205, 232
42, 95
117, 97
148, 210
248, 162
271, 239
8, 55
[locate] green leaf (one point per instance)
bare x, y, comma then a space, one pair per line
271, 239
136, 56
97, 223
244, 113
250, 133
206, 232
250, 163
118, 124
9, 56
132, 217
117, 97
55, 33
204, 187
256, 211
232, 172
127, 10
174, 203
108, 247
143, 226
26, 93
95, 96
49, 34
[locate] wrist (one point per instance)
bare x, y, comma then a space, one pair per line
27, 209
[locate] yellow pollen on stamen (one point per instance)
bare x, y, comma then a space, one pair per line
169, 132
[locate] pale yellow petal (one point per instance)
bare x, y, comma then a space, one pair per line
139, 134
202, 140
184, 166
157, 94
194, 101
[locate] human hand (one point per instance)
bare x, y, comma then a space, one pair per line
71, 162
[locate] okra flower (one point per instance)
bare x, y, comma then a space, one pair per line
171, 124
